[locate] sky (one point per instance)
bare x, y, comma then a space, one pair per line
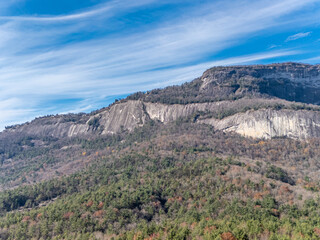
61, 56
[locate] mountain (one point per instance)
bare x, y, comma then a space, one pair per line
262, 101
233, 154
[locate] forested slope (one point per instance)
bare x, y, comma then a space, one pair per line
177, 181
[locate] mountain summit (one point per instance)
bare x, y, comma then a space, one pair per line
289, 81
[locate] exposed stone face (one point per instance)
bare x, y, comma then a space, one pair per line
168, 113
290, 81
127, 116
263, 123
51, 127
267, 123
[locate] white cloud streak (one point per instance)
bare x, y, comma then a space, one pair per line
313, 60
75, 16
97, 10
298, 36
170, 53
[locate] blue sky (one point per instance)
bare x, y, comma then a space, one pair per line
59, 56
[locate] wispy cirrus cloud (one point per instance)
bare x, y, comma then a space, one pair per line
109, 7
314, 60
298, 36
69, 17
44, 59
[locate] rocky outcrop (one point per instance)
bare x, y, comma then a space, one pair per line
267, 123
289, 81
127, 116
58, 126
262, 123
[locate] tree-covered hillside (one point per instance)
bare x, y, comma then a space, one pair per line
175, 181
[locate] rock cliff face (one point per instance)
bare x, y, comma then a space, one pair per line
126, 116
267, 123
263, 123
254, 101
52, 126
290, 81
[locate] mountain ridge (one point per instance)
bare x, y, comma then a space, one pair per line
219, 92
